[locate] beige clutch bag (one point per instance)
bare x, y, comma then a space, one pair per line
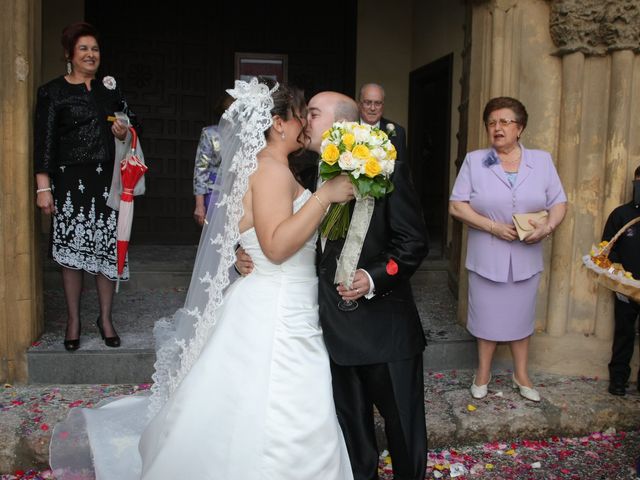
521, 221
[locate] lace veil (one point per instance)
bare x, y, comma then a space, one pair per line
179, 341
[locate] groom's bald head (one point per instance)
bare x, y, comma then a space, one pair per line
324, 109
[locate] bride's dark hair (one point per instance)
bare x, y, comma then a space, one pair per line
288, 102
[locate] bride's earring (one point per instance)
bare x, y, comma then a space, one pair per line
69, 67
282, 136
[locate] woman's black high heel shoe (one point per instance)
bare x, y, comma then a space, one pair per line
113, 342
73, 345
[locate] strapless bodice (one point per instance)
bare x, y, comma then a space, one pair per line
302, 263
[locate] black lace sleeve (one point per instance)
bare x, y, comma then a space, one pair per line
45, 141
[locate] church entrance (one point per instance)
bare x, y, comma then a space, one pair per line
173, 61
429, 144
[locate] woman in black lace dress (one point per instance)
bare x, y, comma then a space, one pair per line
74, 155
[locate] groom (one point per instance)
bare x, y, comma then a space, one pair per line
375, 350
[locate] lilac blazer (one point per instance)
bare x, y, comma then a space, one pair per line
483, 183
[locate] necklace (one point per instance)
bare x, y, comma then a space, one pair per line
510, 165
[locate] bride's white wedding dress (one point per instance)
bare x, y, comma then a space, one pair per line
256, 405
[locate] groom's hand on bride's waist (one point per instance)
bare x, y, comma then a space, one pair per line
244, 264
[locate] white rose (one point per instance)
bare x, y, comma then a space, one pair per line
375, 140
379, 153
361, 133
109, 82
387, 167
359, 169
347, 162
390, 127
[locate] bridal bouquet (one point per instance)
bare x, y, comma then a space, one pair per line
366, 154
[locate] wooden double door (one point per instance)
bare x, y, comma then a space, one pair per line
173, 61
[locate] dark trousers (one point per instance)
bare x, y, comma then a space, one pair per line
397, 390
626, 316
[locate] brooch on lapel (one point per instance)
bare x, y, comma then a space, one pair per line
109, 82
392, 267
490, 159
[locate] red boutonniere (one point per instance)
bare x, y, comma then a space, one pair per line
392, 267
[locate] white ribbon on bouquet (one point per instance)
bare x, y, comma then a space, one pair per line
352, 248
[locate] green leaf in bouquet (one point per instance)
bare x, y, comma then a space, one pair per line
390, 188
377, 190
364, 186
327, 171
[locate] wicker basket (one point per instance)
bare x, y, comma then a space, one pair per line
608, 276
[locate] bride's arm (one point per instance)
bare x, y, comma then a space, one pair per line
280, 232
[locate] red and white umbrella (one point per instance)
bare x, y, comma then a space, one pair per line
131, 171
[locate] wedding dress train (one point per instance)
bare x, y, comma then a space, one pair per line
256, 405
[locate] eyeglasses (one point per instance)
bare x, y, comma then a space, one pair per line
371, 103
504, 122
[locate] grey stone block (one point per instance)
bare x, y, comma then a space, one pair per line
91, 366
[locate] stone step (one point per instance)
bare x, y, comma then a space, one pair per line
134, 314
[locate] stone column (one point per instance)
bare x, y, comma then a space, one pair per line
575, 66
20, 305
598, 43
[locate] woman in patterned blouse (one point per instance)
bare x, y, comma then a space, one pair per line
207, 162
73, 161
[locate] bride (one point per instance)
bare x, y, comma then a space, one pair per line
242, 385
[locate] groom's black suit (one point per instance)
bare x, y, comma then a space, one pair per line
376, 350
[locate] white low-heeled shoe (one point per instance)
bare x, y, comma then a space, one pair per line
526, 392
479, 391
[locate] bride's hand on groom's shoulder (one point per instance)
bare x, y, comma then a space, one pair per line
244, 264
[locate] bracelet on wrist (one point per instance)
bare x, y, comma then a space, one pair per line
40, 190
321, 203
491, 228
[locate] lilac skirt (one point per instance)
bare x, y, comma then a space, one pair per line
502, 312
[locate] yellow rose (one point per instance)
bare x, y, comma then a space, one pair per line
392, 153
348, 139
372, 167
325, 134
361, 152
330, 154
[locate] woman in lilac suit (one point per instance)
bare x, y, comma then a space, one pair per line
504, 272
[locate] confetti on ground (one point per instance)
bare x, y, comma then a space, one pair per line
611, 456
